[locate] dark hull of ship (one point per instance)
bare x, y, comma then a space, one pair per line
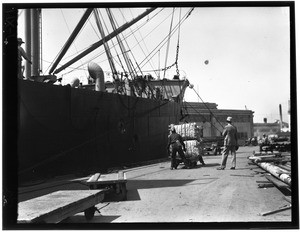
64, 130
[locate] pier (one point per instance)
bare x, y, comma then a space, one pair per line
156, 194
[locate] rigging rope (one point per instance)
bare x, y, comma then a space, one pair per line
203, 116
120, 42
151, 63
177, 51
208, 108
162, 43
132, 33
63, 46
106, 47
169, 37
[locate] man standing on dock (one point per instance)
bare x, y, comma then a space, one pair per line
230, 143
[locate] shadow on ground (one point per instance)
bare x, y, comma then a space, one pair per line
211, 165
97, 218
134, 185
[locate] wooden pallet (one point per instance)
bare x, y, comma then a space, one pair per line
57, 206
115, 182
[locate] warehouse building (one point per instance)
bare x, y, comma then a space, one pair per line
211, 120
276, 128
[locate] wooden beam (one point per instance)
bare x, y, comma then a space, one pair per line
276, 210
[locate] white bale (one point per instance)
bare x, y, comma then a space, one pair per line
192, 148
188, 131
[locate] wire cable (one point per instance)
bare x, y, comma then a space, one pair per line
204, 117
208, 108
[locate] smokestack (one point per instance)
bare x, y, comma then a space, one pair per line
265, 120
280, 113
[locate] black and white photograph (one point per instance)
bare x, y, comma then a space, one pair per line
149, 115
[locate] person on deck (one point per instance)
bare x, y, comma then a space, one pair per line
230, 144
175, 142
21, 53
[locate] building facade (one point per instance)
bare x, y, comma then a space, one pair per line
212, 120
271, 129
266, 128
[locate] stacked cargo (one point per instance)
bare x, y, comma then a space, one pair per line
193, 148
190, 133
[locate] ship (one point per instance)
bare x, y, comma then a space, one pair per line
82, 128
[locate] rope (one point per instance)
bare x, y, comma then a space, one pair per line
138, 43
177, 51
169, 38
208, 108
162, 43
204, 117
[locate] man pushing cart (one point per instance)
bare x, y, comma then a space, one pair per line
187, 143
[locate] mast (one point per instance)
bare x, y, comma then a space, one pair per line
35, 42
109, 56
126, 58
106, 39
27, 13
71, 38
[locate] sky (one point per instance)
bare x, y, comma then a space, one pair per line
247, 49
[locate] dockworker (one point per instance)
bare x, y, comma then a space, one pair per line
230, 144
201, 151
21, 53
264, 142
175, 142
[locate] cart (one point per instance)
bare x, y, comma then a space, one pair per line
191, 161
113, 182
57, 206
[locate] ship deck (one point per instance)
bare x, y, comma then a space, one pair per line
202, 197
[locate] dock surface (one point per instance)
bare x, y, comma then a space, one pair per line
202, 194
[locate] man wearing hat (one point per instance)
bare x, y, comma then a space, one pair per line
21, 53
176, 143
230, 143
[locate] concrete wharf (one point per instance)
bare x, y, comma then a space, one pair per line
202, 197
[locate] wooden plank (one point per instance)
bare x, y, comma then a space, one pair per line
57, 206
276, 211
266, 159
241, 175
282, 186
94, 177
111, 178
263, 181
120, 175
266, 185
284, 167
278, 183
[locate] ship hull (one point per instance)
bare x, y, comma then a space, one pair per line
64, 130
